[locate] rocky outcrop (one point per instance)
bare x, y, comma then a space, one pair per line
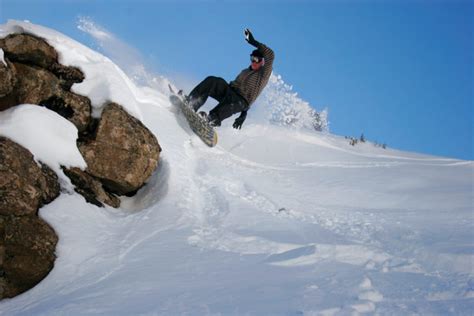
32, 50
27, 246
38, 78
24, 185
120, 151
91, 188
7, 78
123, 153
39, 86
29, 49
27, 243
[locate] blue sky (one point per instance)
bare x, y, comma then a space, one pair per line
401, 72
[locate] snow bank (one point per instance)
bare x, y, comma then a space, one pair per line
50, 137
103, 82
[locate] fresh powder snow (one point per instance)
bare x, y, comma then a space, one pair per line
275, 220
49, 137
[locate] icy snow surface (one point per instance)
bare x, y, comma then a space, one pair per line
272, 221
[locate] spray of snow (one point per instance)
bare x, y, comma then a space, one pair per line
85, 24
278, 104
125, 56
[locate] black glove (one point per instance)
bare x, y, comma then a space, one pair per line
240, 120
249, 38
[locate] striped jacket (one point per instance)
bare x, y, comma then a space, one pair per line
250, 83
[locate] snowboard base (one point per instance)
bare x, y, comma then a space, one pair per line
197, 123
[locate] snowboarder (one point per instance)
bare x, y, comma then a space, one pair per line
238, 95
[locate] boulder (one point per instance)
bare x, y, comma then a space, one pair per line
24, 185
7, 78
91, 188
36, 85
29, 49
35, 76
73, 107
68, 75
27, 253
27, 243
49, 185
123, 154
35, 51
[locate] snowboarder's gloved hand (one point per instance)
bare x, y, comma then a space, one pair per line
240, 120
249, 38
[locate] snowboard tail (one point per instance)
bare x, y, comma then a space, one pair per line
198, 124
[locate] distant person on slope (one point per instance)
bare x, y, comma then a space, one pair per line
238, 95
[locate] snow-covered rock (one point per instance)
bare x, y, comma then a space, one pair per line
123, 153
27, 243
25, 185
39, 112
40, 79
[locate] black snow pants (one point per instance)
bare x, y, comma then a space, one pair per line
230, 102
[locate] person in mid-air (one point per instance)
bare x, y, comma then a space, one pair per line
238, 95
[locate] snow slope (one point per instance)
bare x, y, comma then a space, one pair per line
273, 221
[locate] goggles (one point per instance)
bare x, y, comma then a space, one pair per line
255, 59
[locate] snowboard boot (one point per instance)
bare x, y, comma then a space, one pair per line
203, 115
184, 97
213, 121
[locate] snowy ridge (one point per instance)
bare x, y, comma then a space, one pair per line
272, 221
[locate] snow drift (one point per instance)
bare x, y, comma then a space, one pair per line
274, 220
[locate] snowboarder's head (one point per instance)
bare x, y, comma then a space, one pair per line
257, 60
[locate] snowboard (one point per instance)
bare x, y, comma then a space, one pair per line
198, 124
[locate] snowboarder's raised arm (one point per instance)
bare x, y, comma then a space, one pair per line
266, 51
